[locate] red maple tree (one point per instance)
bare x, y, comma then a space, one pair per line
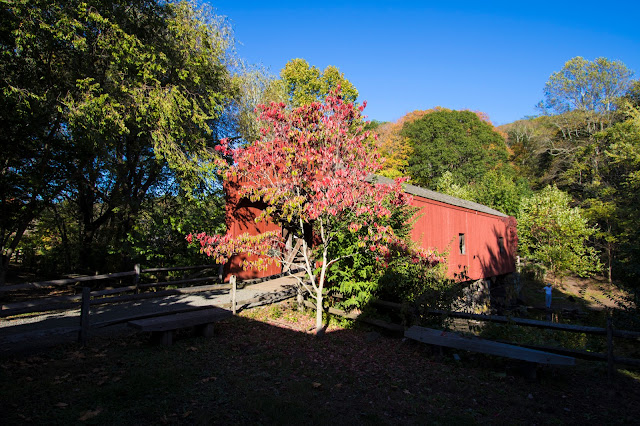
312, 167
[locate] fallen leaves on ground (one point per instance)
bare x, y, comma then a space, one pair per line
89, 414
284, 374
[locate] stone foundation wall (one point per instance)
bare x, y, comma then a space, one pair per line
505, 290
475, 298
483, 295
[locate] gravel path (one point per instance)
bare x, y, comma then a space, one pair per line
28, 334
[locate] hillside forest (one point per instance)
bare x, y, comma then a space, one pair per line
111, 112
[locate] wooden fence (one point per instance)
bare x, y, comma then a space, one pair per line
108, 295
609, 331
135, 289
89, 298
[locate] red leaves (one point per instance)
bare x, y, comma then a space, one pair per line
312, 163
354, 227
222, 247
312, 150
382, 240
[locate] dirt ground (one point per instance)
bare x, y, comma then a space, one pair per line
597, 293
265, 367
575, 293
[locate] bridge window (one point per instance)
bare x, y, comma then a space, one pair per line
462, 245
501, 245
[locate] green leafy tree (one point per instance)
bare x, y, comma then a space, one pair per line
48, 247
496, 189
533, 150
501, 190
631, 99
612, 197
596, 172
104, 102
299, 84
446, 184
303, 83
394, 147
358, 276
581, 99
157, 236
455, 141
605, 213
256, 87
584, 144
147, 111
555, 234
36, 154
585, 85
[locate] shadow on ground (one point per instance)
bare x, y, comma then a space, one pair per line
264, 367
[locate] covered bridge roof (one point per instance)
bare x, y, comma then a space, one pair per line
436, 196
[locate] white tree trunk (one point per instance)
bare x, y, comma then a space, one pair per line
319, 328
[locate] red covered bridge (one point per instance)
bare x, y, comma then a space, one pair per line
481, 241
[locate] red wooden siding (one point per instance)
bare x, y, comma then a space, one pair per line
240, 218
439, 226
441, 220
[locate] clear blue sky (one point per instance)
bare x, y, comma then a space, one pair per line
493, 57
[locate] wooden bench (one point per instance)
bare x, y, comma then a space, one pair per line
162, 328
476, 344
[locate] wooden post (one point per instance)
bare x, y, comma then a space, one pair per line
232, 280
83, 335
299, 297
136, 277
610, 360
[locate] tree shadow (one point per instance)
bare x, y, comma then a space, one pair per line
267, 369
51, 328
498, 267
273, 371
512, 292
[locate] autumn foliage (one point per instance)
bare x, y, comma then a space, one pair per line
313, 167
396, 148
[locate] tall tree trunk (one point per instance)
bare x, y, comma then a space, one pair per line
62, 227
320, 287
610, 249
4, 264
85, 257
319, 326
609, 263
11, 248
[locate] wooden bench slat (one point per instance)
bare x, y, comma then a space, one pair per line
476, 344
181, 320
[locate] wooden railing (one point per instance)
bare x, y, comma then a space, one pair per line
89, 298
108, 295
65, 281
610, 332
